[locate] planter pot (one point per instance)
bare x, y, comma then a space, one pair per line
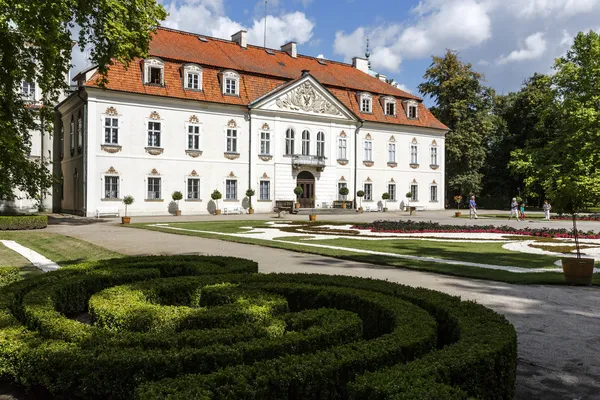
457, 214
312, 217
344, 205
251, 211
178, 212
217, 212
297, 205
385, 209
360, 209
578, 271
125, 220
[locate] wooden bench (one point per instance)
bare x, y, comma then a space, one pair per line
338, 203
233, 210
285, 206
108, 211
371, 208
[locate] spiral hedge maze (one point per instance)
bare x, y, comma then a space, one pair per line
192, 327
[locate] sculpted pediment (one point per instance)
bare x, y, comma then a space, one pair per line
306, 98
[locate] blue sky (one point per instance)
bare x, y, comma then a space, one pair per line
507, 40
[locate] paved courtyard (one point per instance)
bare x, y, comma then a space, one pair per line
556, 325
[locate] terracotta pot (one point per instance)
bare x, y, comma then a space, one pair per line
578, 271
385, 209
217, 212
251, 211
344, 205
312, 217
125, 220
297, 205
360, 209
178, 212
457, 214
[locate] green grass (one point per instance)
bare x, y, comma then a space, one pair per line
473, 252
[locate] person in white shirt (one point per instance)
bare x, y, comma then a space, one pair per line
547, 208
514, 209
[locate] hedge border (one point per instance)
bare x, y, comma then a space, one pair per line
23, 222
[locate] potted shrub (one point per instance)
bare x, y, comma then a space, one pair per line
176, 196
408, 199
457, 200
127, 200
249, 194
298, 191
344, 192
385, 197
360, 195
312, 217
216, 196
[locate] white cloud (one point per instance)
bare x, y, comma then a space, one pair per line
320, 56
534, 47
402, 86
546, 8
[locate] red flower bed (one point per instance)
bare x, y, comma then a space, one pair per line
590, 217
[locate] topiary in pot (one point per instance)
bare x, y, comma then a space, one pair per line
385, 197
360, 195
176, 196
127, 200
216, 196
344, 192
298, 191
249, 194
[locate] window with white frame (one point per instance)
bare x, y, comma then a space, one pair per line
412, 109
264, 192
414, 154
111, 187
154, 131
193, 134
342, 149
111, 130
433, 193
289, 141
154, 71
392, 191
391, 152
414, 192
232, 141
389, 106
265, 143
368, 191
231, 189
320, 144
340, 186
368, 150
193, 189
231, 83
72, 134
79, 131
28, 91
154, 186
305, 143
366, 103
434, 155
192, 77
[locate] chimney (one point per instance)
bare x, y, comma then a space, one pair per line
361, 64
290, 48
382, 77
240, 38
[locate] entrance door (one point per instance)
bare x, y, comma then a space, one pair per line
306, 181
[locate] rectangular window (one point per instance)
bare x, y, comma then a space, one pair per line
414, 190
392, 191
231, 189
368, 150
434, 159
392, 152
232, 140
342, 149
28, 91
414, 154
230, 86
154, 188
62, 140
265, 190
390, 108
321, 144
412, 112
154, 134
111, 130
341, 185
72, 136
193, 137
365, 105
155, 75
193, 188
305, 143
368, 191
265, 143
111, 187
79, 132
193, 80
289, 142
433, 191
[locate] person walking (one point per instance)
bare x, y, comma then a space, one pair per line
522, 211
514, 209
547, 208
472, 208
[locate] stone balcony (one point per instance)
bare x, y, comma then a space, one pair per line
310, 161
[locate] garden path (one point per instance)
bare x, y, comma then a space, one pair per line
38, 260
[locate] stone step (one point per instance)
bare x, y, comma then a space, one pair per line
307, 211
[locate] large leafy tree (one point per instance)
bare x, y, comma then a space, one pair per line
35, 46
463, 103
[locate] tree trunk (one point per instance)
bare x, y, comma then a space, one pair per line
576, 233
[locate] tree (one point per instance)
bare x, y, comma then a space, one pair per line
463, 104
35, 46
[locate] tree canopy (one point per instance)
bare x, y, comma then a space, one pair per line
35, 46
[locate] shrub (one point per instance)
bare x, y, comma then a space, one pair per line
9, 275
23, 222
208, 327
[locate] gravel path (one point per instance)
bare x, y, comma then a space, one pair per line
559, 343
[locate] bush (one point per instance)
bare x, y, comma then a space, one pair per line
23, 222
208, 327
9, 275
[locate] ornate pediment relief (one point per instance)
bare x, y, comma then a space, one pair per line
306, 98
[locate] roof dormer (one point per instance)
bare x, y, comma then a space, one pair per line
231, 83
411, 108
154, 71
192, 77
365, 102
388, 103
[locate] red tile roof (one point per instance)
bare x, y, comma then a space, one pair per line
259, 72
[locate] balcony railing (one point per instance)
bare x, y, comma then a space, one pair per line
313, 161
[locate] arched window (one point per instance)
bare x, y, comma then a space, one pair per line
321, 144
289, 141
305, 143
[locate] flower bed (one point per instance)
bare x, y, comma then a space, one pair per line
207, 327
588, 217
23, 222
423, 227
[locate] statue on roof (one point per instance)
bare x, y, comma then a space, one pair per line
368, 54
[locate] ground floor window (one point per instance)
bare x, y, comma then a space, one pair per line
392, 191
434, 194
414, 190
265, 190
193, 188
341, 185
368, 191
111, 187
154, 188
231, 189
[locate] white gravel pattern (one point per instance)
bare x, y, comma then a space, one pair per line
38, 260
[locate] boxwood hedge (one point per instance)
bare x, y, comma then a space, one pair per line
23, 222
207, 327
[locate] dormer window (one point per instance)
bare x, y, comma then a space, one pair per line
154, 71
389, 106
192, 77
366, 102
231, 83
412, 109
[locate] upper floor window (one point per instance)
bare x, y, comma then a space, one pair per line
412, 109
321, 144
231, 83
305, 143
265, 143
289, 141
232, 141
342, 149
434, 155
28, 91
389, 106
154, 131
72, 134
392, 152
192, 77
154, 71
368, 150
414, 153
193, 133
366, 102
79, 131
111, 130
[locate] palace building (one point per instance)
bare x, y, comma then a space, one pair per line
201, 114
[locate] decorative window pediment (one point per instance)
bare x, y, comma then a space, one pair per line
365, 102
154, 71
231, 83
